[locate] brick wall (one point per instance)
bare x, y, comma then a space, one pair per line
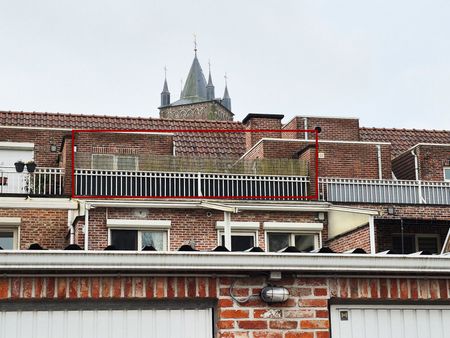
42, 140
44, 226
356, 238
305, 314
342, 129
432, 160
260, 122
188, 225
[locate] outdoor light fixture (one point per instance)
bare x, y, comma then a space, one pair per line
391, 211
274, 294
53, 148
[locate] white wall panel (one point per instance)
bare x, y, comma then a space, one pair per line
384, 321
107, 324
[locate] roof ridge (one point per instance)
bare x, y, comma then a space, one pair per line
405, 129
100, 116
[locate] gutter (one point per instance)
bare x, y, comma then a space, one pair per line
100, 262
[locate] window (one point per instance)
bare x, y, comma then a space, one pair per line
138, 239
136, 234
239, 241
244, 235
9, 233
303, 236
446, 173
415, 242
7, 240
302, 241
114, 162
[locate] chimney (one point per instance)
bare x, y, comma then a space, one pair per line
261, 121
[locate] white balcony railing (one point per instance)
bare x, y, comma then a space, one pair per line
44, 181
383, 191
169, 184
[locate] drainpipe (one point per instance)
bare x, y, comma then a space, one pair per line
372, 234
86, 230
71, 227
416, 172
227, 229
416, 164
380, 168
305, 126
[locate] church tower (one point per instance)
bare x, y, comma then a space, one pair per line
197, 101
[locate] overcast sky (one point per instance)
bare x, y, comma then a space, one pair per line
384, 61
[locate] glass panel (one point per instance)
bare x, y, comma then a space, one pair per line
101, 161
124, 239
240, 243
427, 244
126, 163
278, 241
409, 245
304, 242
154, 239
7, 240
447, 174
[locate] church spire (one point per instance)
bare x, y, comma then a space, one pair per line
195, 86
226, 100
165, 94
210, 87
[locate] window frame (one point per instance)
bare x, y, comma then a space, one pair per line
236, 233
15, 237
115, 161
292, 234
446, 168
141, 226
12, 224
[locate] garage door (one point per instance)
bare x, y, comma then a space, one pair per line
173, 323
378, 321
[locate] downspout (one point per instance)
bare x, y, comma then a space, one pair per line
416, 164
227, 229
305, 126
71, 227
86, 230
380, 168
372, 234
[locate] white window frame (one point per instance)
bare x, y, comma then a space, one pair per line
115, 159
141, 226
444, 170
293, 229
12, 224
239, 229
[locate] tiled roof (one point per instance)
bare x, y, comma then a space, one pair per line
215, 144
403, 139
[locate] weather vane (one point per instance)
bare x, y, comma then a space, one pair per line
226, 79
165, 71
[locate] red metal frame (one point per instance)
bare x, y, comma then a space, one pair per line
311, 197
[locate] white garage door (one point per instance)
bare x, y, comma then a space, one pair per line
107, 324
378, 321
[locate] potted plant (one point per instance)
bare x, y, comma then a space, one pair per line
19, 166
31, 166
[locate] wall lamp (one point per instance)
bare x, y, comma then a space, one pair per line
274, 294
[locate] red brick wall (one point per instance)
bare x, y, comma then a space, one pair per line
305, 314
338, 129
188, 225
44, 226
432, 160
42, 140
261, 123
357, 238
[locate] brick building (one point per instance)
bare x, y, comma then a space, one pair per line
128, 225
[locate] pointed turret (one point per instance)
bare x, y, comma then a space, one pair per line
226, 100
165, 94
210, 87
195, 86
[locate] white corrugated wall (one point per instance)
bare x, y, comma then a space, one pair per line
107, 324
384, 321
